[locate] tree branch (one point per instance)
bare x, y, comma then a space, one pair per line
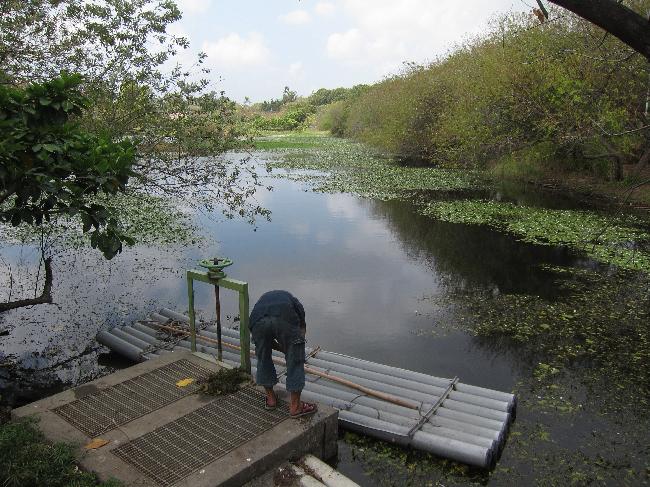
45, 297
615, 18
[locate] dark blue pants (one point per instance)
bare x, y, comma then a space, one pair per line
292, 342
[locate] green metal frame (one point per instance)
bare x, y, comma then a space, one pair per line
228, 283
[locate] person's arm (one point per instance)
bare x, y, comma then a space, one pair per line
300, 311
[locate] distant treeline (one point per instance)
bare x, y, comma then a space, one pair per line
293, 113
524, 96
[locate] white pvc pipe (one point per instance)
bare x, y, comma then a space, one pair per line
143, 336
130, 338
121, 346
168, 313
490, 428
159, 318
327, 475
444, 447
304, 479
385, 369
425, 440
399, 420
156, 333
426, 394
508, 401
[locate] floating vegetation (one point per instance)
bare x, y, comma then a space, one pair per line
224, 381
611, 240
598, 328
149, 220
340, 165
351, 167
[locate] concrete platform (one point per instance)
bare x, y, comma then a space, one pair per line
161, 435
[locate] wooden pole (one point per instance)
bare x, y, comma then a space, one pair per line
309, 370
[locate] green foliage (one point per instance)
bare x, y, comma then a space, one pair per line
275, 105
135, 91
601, 321
28, 460
294, 117
51, 167
224, 381
323, 96
334, 118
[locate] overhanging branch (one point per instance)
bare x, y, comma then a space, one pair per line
615, 18
44, 298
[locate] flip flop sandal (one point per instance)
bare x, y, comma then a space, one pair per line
270, 408
306, 410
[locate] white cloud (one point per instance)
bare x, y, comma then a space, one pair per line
296, 70
325, 8
385, 33
345, 45
296, 17
194, 6
237, 51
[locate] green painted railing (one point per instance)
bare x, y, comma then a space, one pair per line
228, 283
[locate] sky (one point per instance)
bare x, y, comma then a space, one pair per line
257, 47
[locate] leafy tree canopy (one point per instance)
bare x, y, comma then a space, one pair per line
51, 167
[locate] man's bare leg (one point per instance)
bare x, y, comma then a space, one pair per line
271, 399
294, 403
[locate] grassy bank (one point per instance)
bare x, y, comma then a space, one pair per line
28, 460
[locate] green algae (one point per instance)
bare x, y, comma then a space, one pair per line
598, 329
607, 239
350, 167
224, 381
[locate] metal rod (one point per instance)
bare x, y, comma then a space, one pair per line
434, 408
309, 370
218, 309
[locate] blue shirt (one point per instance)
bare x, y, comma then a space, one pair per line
278, 304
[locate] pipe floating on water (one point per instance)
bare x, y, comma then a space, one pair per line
469, 424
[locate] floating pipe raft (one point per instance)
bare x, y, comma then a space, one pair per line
465, 423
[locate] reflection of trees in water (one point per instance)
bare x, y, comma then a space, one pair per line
472, 256
46, 293
32, 376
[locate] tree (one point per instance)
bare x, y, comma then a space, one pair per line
288, 95
51, 168
614, 17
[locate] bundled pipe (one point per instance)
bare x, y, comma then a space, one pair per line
440, 440
386, 372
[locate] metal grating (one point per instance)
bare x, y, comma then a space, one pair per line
117, 405
181, 447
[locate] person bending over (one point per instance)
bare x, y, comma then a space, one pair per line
278, 322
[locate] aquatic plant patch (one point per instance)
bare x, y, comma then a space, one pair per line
598, 329
611, 240
224, 381
351, 167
